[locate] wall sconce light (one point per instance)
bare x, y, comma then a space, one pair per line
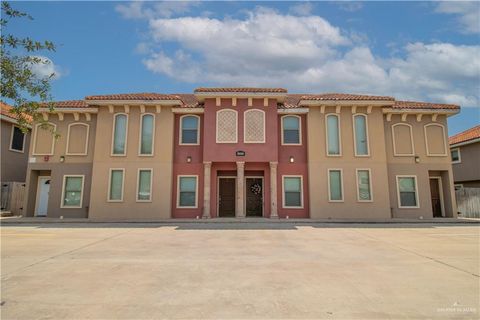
292, 159
189, 159
417, 159
62, 159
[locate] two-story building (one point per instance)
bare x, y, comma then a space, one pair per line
465, 154
241, 152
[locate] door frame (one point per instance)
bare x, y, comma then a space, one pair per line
245, 194
218, 194
440, 191
37, 197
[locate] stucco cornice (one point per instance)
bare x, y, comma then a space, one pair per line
346, 103
187, 110
68, 110
134, 102
293, 111
420, 111
280, 96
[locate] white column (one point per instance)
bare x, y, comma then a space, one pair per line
239, 212
207, 166
273, 190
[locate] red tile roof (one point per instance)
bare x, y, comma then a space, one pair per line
424, 105
240, 90
189, 100
134, 96
344, 96
467, 135
68, 104
6, 110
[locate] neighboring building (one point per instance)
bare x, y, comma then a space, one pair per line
14, 147
465, 153
236, 152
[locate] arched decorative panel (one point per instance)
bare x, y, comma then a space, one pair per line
77, 139
435, 139
402, 140
44, 139
254, 126
226, 126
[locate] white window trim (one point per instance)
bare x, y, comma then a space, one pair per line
113, 135
369, 182
459, 155
62, 200
196, 191
299, 130
138, 184
244, 126
355, 135
110, 184
339, 135
416, 192
86, 141
301, 192
11, 140
180, 127
236, 126
52, 149
443, 137
395, 153
341, 184
460, 185
140, 154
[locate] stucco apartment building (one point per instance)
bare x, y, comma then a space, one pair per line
465, 153
241, 152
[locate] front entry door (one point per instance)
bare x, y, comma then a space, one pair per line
254, 197
436, 199
226, 197
43, 191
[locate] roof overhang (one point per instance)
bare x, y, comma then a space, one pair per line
174, 102
334, 103
280, 96
293, 111
464, 143
188, 110
68, 110
448, 113
11, 120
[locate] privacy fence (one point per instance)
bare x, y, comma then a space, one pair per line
468, 202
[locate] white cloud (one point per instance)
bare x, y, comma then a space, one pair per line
302, 9
350, 6
45, 68
150, 10
468, 14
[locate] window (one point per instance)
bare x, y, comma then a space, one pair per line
435, 140
72, 191
77, 139
115, 188
189, 130
17, 140
407, 192
333, 135
292, 192
402, 139
360, 134
254, 126
335, 185
144, 185
291, 130
187, 192
364, 185
455, 153
226, 126
147, 129
120, 134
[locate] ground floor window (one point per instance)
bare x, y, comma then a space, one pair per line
72, 191
335, 185
144, 187
187, 192
115, 188
364, 188
292, 192
407, 191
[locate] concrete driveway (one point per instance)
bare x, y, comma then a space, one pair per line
240, 270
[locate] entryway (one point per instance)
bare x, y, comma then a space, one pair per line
436, 192
226, 196
254, 196
43, 190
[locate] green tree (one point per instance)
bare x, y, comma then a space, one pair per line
27, 90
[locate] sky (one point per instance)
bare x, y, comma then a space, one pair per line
422, 51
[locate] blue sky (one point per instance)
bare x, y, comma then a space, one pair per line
428, 51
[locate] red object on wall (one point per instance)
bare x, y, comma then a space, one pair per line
46, 158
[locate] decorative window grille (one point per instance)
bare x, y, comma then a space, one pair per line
254, 126
227, 126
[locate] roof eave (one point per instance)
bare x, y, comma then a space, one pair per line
160, 102
201, 96
68, 110
313, 103
448, 112
464, 143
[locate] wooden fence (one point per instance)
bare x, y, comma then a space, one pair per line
468, 202
12, 195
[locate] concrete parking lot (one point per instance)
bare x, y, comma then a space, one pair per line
240, 271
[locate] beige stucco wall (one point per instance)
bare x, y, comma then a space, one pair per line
13, 164
468, 169
426, 167
319, 162
161, 163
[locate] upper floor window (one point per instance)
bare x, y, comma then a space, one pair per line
455, 153
333, 135
189, 130
120, 134
361, 135
254, 126
227, 126
147, 129
77, 139
291, 130
17, 140
435, 139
